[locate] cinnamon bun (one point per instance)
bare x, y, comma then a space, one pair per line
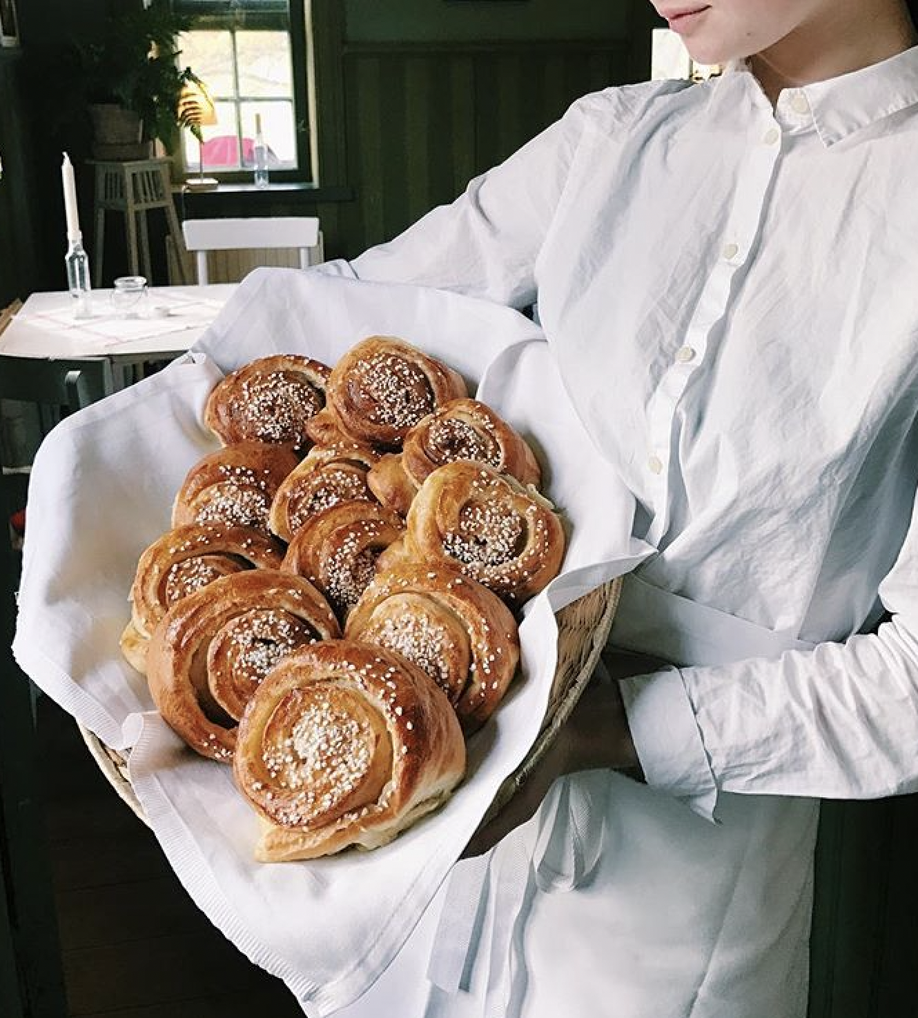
461, 429
461, 634
267, 400
235, 485
380, 389
327, 476
507, 537
345, 744
337, 549
211, 650
181, 562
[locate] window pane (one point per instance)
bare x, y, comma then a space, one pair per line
221, 142
278, 128
210, 56
264, 64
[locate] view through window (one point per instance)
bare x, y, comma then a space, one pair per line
246, 54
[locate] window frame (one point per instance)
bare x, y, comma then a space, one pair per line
207, 17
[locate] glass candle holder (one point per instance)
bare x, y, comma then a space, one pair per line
129, 295
77, 263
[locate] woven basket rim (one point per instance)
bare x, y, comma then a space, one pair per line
113, 765
601, 604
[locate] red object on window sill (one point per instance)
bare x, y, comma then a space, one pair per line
224, 151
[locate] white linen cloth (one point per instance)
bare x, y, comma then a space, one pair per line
101, 490
45, 326
729, 291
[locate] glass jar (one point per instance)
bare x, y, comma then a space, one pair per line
129, 296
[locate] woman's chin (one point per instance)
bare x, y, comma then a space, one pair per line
708, 55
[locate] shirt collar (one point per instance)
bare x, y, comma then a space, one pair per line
845, 104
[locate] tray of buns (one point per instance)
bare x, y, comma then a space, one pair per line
329, 584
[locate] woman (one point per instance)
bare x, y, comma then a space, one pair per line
726, 274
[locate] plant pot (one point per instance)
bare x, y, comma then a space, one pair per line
117, 133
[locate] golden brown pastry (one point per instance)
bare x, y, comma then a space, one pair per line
235, 485
211, 650
498, 532
183, 561
345, 744
379, 390
267, 400
461, 429
327, 476
458, 631
337, 549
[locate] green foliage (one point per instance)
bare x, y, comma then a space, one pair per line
134, 61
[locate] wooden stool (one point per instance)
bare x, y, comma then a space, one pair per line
133, 188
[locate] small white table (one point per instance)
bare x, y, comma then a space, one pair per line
171, 321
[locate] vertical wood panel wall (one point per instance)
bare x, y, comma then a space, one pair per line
422, 119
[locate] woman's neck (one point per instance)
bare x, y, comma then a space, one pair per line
852, 36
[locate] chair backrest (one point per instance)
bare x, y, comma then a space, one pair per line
55, 387
300, 232
66, 384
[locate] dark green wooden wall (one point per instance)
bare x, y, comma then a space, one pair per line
418, 96
422, 119
17, 192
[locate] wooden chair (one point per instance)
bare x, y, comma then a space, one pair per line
54, 388
265, 233
51, 389
61, 386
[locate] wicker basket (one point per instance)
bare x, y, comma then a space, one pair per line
583, 627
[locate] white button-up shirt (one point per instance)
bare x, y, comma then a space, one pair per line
731, 292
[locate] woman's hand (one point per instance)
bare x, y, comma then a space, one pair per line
595, 736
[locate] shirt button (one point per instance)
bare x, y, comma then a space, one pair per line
730, 251
799, 103
655, 465
771, 136
685, 354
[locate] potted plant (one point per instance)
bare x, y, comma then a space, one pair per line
132, 80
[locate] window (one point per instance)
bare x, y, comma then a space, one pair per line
251, 57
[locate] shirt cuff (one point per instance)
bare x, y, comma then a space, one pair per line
667, 739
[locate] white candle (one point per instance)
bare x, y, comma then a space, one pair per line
70, 200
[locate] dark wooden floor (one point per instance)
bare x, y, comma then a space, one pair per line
133, 943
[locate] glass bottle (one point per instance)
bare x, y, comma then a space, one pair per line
260, 155
77, 263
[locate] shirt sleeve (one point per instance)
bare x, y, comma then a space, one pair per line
486, 243
838, 721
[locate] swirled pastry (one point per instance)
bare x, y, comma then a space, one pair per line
211, 650
235, 485
461, 429
337, 549
345, 744
267, 400
458, 631
327, 476
183, 561
380, 389
498, 532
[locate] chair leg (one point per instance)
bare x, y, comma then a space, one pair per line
201, 261
98, 245
178, 242
133, 257
145, 246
